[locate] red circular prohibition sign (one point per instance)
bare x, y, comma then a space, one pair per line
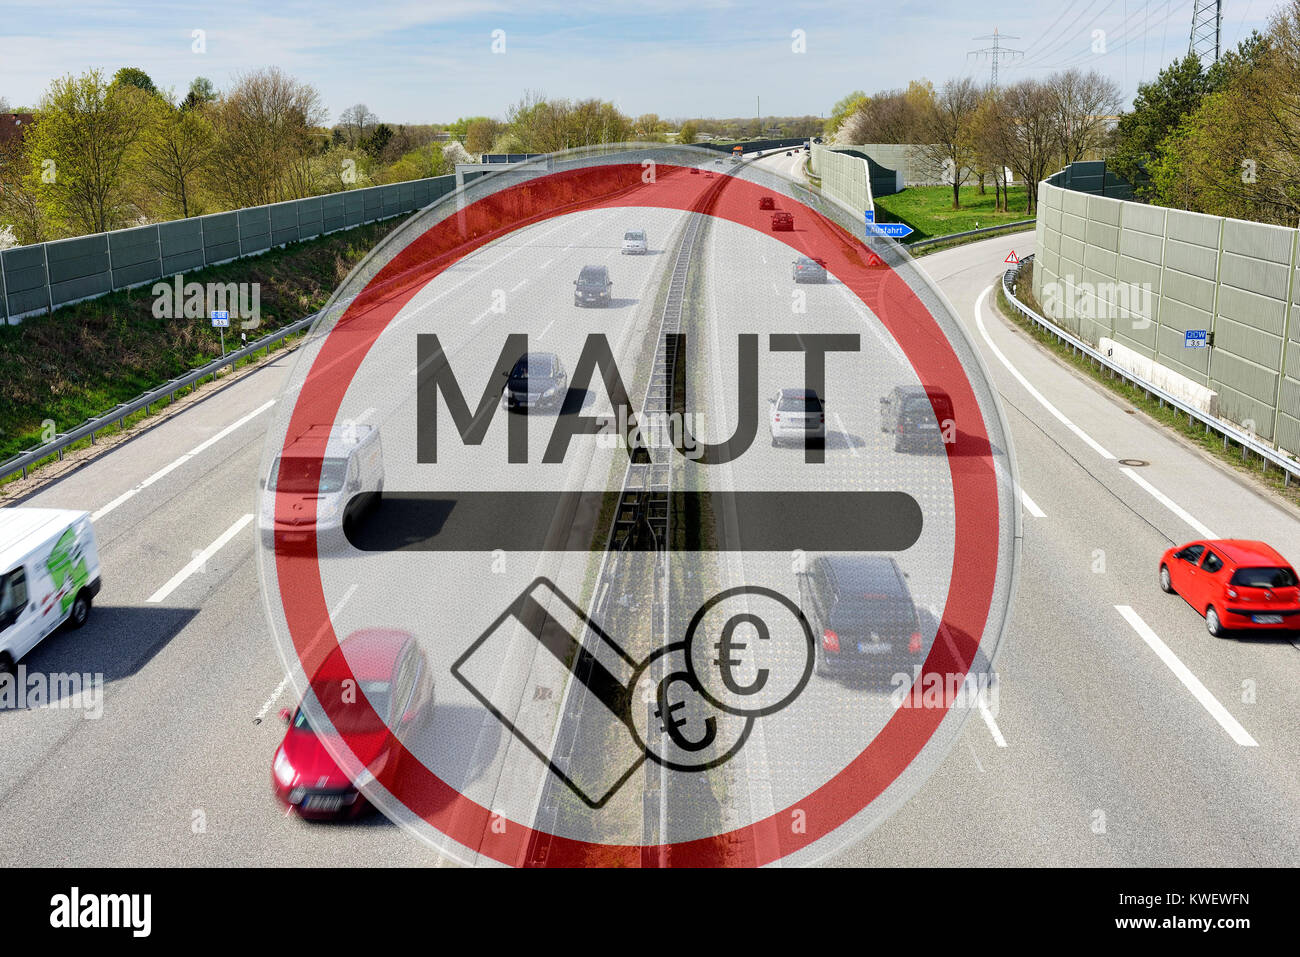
918, 333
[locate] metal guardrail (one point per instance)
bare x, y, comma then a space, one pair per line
25, 460
1289, 467
983, 230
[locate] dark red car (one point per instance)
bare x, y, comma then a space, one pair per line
1234, 584
782, 220
766, 202
396, 699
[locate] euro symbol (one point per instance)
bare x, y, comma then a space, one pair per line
726, 663
673, 724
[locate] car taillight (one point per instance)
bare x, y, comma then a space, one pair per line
1232, 593
914, 645
830, 641
900, 426
777, 417
823, 418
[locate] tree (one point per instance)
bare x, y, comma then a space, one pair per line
990, 147
173, 149
844, 107
1083, 102
480, 133
688, 133
268, 127
200, 93
1157, 110
1023, 129
378, 138
947, 135
357, 121
20, 202
77, 151
134, 77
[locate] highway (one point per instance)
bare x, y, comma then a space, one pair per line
1122, 733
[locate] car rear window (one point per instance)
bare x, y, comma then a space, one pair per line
592, 274
637, 237
885, 614
1264, 578
799, 403
539, 366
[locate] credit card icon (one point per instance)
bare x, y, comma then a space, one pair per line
588, 742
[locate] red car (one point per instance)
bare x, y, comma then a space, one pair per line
391, 672
1234, 584
782, 220
766, 202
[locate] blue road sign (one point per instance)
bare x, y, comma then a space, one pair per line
892, 230
1195, 339
871, 216
220, 319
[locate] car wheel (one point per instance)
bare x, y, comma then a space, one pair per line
820, 668
1166, 585
80, 610
1212, 623
6, 663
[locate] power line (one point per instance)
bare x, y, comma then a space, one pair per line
1066, 41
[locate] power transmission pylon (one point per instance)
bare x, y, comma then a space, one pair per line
996, 52
1207, 28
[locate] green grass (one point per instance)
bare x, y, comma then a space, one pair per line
928, 210
83, 359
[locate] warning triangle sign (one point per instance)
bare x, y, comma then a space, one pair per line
1011, 258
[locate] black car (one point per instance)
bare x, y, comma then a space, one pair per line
862, 615
766, 202
917, 416
593, 285
538, 380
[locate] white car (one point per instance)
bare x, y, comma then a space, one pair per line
796, 414
634, 242
49, 573
348, 480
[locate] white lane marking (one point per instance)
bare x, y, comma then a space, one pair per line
1042, 400
545, 264
279, 690
475, 320
1193, 684
516, 286
1031, 505
987, 715
166, 469
845, 432
1168, 503
546, 330
974, 755
197, 561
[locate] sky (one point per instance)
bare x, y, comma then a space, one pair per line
431, 61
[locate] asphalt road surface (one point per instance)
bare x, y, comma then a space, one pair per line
1122, 733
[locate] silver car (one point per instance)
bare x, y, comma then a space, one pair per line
796, 414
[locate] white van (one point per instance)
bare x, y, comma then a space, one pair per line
351, 480
635, 243
49, 574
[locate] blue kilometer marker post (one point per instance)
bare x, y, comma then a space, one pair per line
891, 230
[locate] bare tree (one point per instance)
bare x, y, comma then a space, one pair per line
1083, 103
1023, 130
947, 136
357, 121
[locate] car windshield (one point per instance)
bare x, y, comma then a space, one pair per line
805, 261
635, 237
799, 403
1264, 578
591, 274
346, 710
293, 475
538, 367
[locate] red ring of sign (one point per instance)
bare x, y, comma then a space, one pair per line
932, 357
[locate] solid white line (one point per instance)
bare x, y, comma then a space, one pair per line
987, 715
202, 446
1031, 505
197, 561
1168, 503
1056, 413
1193, 684
279, 689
